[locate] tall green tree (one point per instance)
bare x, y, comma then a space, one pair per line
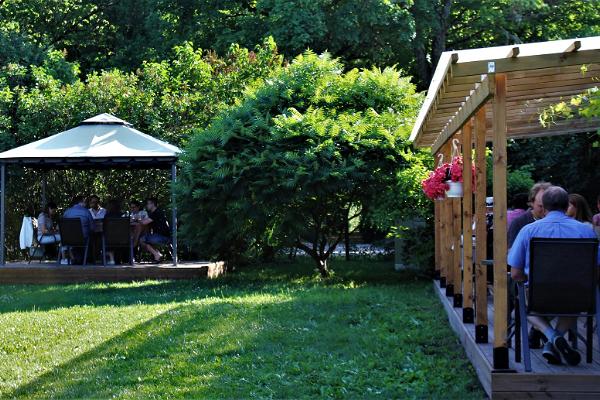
411, 34
442, 25
302, 154
166, 99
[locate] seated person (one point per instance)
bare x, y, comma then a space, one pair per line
95, 209
79, 210
47, 233
579, 209
113, 209
160, 233
136, 213
596, 218
555, 224
519, 207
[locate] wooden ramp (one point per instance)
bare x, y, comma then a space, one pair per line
46, 273
544, 382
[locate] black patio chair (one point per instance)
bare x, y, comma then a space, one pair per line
71, 235
116, 233
563, 282
37, 250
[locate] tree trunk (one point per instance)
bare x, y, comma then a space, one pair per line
347, 237
438, 44
322, 267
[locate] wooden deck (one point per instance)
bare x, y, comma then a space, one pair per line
544, 382
45, 273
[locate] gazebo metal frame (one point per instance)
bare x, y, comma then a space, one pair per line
149, 161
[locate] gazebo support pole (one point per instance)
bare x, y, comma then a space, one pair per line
2, 212
44, 184
174, 211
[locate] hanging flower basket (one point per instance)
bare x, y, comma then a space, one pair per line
455, 189
455, 177
446, 181
435, 186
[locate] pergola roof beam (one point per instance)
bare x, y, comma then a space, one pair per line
477, 98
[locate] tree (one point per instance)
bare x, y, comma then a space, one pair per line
165, 99
570, 160
442, 25
303, 153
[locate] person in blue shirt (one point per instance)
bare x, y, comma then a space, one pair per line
79, 210
555, 224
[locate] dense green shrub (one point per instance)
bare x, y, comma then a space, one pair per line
305, 152
165, 99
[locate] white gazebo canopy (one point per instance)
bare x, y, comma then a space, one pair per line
102, 141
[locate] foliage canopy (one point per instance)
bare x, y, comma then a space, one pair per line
304, 153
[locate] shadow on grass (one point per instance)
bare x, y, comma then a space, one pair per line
245, 280
326, 342
141, 360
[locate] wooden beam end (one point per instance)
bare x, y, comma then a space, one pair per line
576, 45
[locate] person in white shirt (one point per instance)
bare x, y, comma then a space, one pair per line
47, 232
95, 209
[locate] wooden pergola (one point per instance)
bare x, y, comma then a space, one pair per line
483, 96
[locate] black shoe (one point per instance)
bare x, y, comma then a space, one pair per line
550, 354
571, 356
536, 339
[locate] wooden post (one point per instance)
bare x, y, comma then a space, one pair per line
500, 239
443, 205
481, 320
467, 207
448, 235
456, 251
437, 234
436, 230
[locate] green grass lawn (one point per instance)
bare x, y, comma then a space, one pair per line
274, 331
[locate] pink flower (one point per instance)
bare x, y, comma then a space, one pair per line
435, 186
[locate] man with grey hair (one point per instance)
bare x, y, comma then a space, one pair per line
535, 211
555, 224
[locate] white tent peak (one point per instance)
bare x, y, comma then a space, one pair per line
102, 140
105, 119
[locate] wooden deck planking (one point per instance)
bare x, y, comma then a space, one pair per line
47, 273
545, 381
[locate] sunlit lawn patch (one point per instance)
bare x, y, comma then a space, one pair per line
271, 331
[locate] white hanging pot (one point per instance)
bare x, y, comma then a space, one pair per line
455, 189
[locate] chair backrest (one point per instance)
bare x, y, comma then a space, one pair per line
117, 231
71, 232
563, 276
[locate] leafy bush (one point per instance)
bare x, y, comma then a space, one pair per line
305, 152
165, 99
